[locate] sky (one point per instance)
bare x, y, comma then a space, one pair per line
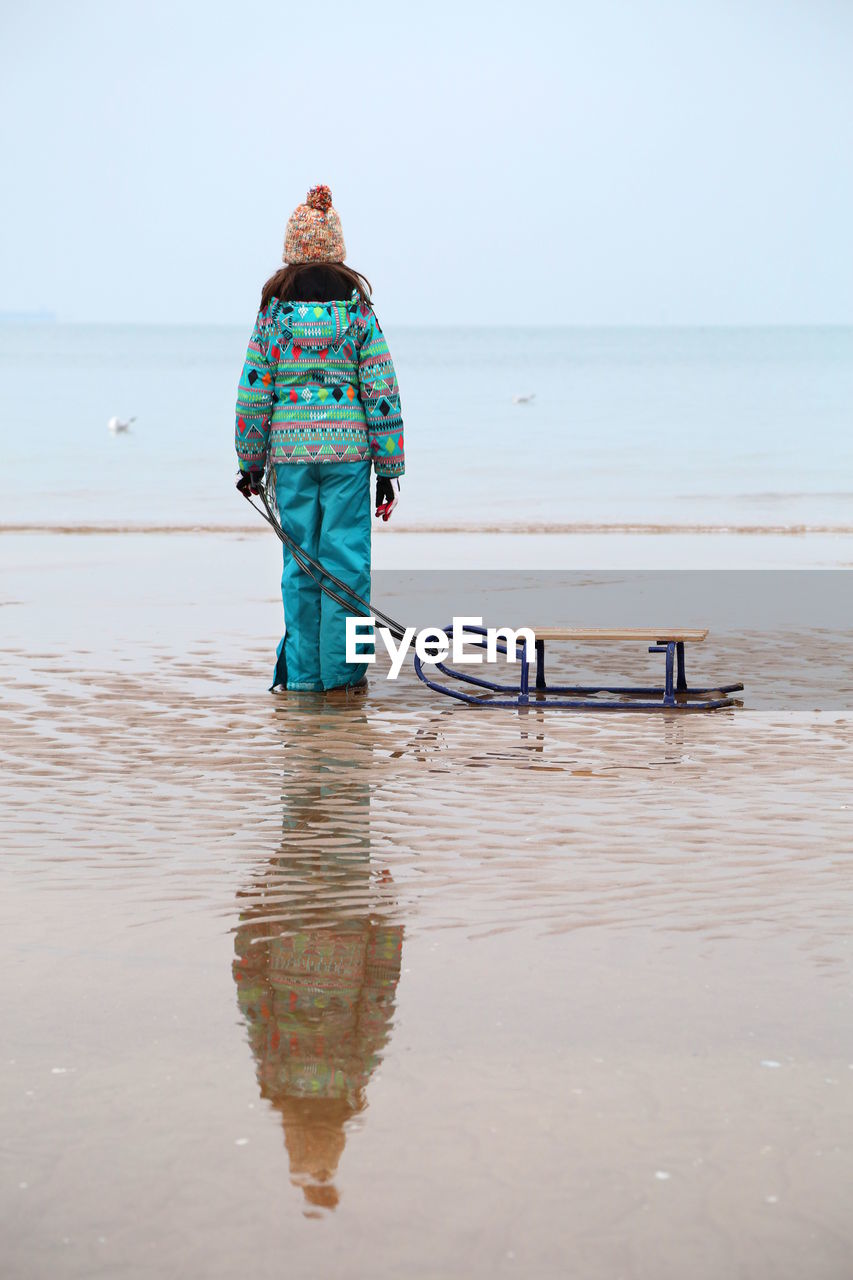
592, 162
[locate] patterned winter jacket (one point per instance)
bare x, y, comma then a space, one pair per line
319, 385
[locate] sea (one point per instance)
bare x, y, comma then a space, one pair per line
505, 427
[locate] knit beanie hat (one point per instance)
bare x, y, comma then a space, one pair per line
314, 232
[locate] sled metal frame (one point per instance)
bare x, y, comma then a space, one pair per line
673, 695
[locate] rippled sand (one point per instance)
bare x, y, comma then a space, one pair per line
376, 985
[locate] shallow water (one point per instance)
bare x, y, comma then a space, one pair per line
366, 984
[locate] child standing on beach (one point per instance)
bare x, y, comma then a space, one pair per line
317, 406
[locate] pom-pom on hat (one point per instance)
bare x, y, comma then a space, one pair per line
314, 232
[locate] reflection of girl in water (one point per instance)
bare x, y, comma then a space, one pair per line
316, 970
319, 1006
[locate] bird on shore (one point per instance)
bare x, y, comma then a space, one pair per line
524, 399
118, 426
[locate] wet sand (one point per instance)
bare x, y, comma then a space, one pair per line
366, 984
539, 546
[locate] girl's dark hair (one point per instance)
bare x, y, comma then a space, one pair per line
315, 282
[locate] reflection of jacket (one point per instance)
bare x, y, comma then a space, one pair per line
319, 1007
318, 385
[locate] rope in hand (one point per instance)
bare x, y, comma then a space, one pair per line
312, 567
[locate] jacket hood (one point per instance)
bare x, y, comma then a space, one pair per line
314, 324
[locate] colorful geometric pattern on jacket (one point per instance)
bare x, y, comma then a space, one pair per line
318, 385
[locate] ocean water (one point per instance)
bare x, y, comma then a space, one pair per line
655, 426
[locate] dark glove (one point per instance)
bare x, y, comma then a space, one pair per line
386, 498
250, 482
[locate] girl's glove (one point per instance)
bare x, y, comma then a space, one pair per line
386, 498
250, 482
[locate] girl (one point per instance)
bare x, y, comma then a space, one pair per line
318, 402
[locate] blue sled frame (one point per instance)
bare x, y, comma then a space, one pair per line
674, 695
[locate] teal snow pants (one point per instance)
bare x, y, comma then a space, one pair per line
325, 508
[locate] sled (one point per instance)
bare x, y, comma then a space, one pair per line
673, 695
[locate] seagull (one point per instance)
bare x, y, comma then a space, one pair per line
117, 427
524, 399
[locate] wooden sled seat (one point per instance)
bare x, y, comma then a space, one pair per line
653, 635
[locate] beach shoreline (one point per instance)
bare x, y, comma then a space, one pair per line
605, 956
